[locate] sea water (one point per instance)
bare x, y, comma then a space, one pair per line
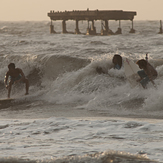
72, 113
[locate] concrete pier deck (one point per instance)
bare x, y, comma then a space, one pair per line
91, 15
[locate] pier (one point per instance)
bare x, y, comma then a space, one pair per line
90, 16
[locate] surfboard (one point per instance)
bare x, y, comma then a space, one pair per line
4, 103
131, 70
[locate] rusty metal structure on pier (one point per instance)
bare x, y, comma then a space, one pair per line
91, 16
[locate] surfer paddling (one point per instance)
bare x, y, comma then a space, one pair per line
147, 74
16, 75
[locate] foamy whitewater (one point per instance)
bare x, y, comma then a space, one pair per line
73, 114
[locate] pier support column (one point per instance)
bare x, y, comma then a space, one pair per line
93, 28
106, 25
64, 26
119, 30
77, 27
106, 31
110, 32
52, 28
161, 31
132, 29
102, 30
88, 29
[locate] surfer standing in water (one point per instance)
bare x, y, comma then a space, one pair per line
16, 75
147, 74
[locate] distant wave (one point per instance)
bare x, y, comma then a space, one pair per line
53, 65
98, 43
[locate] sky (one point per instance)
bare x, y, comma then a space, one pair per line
36, 10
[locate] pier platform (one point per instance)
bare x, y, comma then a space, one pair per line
91, 16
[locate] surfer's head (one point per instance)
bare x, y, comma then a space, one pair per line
117, 59
11, 66
142, 63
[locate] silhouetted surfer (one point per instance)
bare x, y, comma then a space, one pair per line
16, 75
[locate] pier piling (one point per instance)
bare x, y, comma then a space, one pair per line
132, 29
119, 30
161, 31
52, 28
64, 26
77, 27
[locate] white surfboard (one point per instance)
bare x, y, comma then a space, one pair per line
131, 70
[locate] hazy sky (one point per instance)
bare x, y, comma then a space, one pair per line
16, 10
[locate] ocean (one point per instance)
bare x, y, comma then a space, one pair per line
73, 114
